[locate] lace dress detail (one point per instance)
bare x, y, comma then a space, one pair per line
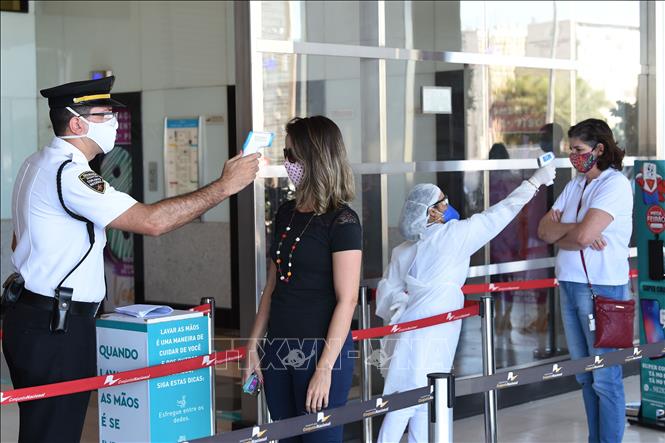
346, 216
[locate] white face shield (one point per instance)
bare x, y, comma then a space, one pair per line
413, 219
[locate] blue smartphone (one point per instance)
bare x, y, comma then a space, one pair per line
253, 385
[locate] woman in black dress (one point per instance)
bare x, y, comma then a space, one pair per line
312, 283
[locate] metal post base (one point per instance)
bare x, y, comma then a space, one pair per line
440, 409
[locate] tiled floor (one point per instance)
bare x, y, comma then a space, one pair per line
555, 419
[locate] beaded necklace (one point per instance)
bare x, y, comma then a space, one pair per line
289, 274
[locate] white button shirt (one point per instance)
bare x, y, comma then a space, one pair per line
610, 192
49, 241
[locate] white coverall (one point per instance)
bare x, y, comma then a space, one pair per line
432, 271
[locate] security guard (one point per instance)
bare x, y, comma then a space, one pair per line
60, 210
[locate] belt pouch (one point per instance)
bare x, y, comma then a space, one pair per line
11, 289
60, 313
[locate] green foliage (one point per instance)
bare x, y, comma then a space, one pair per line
625, 132
527, 92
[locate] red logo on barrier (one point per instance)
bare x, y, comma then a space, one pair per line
110, 380
207, 361
656, 219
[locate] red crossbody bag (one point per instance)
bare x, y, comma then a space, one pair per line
613, 318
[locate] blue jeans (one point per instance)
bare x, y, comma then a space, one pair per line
287, 366
602, 389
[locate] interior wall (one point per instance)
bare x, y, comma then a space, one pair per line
435, 25
6, 231
193, 261
18, 97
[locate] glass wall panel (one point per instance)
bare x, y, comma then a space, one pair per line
429, 25
418, 132
522, 102
338, 87
340, 22
497, 110
612, 96
535, 29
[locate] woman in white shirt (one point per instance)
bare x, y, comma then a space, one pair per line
593, 214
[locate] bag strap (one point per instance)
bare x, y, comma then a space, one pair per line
89, 225
593, 293
588, 282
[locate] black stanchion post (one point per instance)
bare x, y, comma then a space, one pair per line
365, 367
489, 365
211, 349
440, 429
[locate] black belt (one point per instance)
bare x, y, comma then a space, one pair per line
79, 308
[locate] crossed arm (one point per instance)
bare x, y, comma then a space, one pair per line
575, 236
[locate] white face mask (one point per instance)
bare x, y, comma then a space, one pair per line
101, 133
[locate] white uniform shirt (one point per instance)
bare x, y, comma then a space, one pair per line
612, 193
49, 241
432, 271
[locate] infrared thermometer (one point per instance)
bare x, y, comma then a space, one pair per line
546, 159
256, 140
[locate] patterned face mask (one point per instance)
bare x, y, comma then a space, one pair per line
583, 162
295, 171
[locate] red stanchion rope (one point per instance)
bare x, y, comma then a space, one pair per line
201, 308
470, 308
217, 358
521, 285
120, 378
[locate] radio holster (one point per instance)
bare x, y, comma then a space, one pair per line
61, 305
11, 290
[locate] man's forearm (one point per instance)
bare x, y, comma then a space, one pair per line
174, 212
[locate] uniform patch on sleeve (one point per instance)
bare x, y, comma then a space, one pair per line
93, 180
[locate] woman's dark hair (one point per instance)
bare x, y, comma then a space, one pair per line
498, 151
593, 131
328, 179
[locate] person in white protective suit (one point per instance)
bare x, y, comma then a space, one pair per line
424, 278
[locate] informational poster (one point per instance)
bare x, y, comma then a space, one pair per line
181, 403
121, 409
182, 155
649, 219
172, 408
